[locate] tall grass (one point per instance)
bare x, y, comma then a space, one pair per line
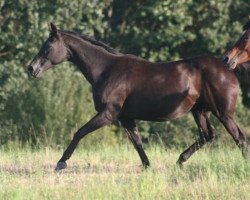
115, 172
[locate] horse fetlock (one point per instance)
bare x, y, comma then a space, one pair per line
245, 152
180, 163
181, 160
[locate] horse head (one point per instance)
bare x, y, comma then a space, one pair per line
240, 52
52, 52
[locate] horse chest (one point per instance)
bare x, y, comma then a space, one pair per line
109, 94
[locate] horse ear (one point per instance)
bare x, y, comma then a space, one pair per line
53, 29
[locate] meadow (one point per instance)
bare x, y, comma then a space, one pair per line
45, 113
115, 172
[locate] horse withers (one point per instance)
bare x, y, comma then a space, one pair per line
240, 52
128, 88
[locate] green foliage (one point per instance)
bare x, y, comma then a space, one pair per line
154, 30
167, 30
49, 110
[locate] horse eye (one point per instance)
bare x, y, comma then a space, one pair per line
49, 40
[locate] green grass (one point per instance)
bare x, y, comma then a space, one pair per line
116, 173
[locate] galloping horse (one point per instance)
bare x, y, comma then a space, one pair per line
128, 88
240, 52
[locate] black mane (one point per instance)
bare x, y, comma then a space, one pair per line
94, 42
246, 26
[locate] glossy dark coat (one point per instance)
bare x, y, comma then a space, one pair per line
128, 88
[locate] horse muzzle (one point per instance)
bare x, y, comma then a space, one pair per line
230, 63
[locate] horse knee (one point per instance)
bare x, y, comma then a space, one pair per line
210, 137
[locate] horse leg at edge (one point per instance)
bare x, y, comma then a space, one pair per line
133, 134
237, 134
95, 123
206, 134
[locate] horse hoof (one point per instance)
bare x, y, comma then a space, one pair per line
60, 165
180, 164
146, 165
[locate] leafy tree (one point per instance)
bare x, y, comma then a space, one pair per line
48, 111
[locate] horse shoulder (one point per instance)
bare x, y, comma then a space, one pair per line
111, 90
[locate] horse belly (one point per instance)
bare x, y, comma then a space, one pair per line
170, 107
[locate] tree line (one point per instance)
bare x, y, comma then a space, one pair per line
49, 110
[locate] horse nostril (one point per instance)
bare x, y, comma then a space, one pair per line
225, 60
30, 69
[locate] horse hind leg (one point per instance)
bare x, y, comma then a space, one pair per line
206, 134
237, 134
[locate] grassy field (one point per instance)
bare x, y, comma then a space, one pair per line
116, 173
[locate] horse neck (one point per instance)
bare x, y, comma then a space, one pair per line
90, 59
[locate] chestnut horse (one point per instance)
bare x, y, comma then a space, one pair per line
240, 52
128, 88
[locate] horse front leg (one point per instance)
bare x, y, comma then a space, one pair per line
238, 135
98, 121
134, 136
206, 134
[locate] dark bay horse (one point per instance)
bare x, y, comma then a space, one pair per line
240, 52
128, 88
